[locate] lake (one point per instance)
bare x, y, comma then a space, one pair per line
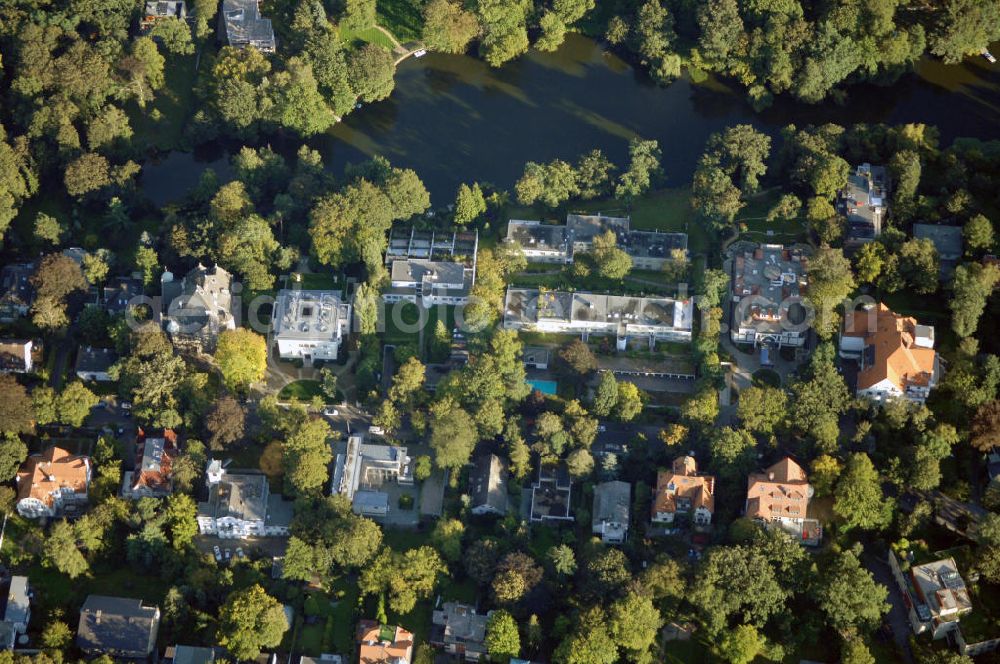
454, 119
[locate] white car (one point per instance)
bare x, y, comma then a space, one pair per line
239, 553
331, 412
218, 553
376, 431
601, 428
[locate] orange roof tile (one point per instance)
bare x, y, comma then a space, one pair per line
780, 491
55, 469
375, 649
897, 357
683, 483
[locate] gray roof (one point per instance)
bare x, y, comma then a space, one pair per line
531, 306
459, 624
489, 483
16, 290
120, 291
550, 494
773, 276
14, 354
117, 625
193, 655
438, 272
245, 26
239, 495
651, 244
18, 605
309, 315
863, 201
90, 359
611, 502
166, 8
537, 236
584, 227
947, 239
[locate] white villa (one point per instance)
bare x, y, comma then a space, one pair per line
309, 324
240, 505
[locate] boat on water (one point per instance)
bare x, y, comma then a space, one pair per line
990, 58
421, 53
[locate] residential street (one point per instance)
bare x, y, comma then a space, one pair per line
896, 617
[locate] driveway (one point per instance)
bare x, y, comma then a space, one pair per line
897, 617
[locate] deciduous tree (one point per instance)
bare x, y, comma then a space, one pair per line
241, 356
249, 621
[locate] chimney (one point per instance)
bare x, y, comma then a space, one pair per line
98, 617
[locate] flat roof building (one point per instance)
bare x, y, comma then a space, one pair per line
649, 319
769, 284
309, 324
361, 469
864, 201
550, 495
552, 243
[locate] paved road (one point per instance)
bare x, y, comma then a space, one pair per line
897, 617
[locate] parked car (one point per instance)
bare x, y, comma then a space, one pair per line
229, 554
601, 428
218, 553
330, 411
126, 405
239, 553
376, 431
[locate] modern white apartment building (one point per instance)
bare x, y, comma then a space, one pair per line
625, 317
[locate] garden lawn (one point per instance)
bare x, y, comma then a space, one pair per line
409, 314
302, 390
367, 35
315, 281
345, 592
173, 104
403, 18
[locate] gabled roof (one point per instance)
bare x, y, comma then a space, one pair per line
117, 625
489, 483
780, 491
683, 484
611, 502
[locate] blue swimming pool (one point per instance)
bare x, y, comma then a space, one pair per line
543, 386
